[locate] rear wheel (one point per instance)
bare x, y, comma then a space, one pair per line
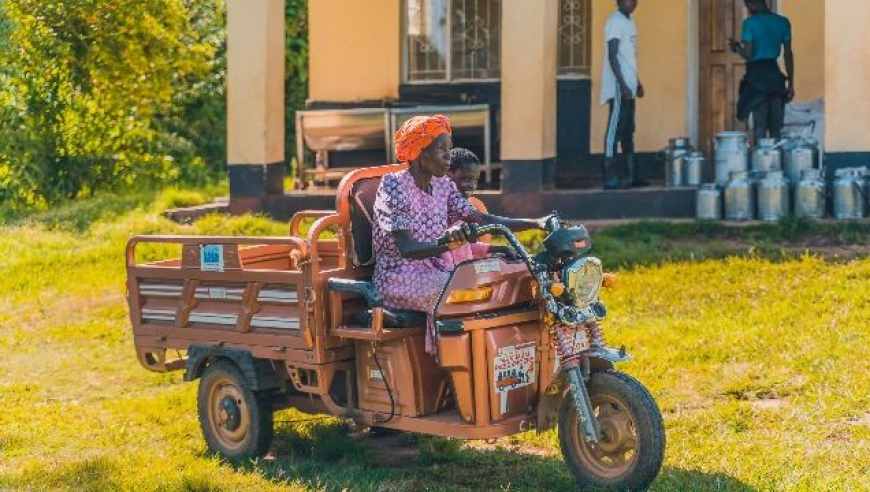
630, 453
235, 421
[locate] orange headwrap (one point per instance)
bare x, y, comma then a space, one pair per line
418, 133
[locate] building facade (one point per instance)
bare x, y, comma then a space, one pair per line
537, 64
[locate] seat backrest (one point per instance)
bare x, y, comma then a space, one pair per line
355, 203
362, 214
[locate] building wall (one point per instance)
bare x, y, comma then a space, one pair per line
662, 64
808, 43
663, 59
847, 70
355, 49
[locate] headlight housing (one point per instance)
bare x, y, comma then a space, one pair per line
583, 278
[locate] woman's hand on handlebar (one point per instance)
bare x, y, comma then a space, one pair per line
459, 234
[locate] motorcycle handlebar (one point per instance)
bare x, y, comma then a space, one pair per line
444, 239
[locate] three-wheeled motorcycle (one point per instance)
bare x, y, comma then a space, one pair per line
267, 323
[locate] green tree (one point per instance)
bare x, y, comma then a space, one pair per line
86, 85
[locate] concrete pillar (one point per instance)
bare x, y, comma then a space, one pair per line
255, 101
528, 94
847, 70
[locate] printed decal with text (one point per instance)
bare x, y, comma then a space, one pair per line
487, 266
514, 367
211, 257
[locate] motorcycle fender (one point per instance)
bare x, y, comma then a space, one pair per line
258, 372
551, 399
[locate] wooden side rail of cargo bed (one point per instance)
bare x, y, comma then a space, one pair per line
296, 243
317, 229
302, 215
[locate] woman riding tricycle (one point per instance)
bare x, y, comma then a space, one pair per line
379, 327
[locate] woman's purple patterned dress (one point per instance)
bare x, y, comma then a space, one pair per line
414, 285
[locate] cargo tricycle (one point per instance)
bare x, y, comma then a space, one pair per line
267, 323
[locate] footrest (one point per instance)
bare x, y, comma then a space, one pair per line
365, 333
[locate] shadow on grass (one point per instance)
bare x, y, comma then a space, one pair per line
326, 457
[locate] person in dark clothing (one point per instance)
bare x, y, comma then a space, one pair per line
764, 90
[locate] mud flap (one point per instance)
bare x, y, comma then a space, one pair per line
259, 373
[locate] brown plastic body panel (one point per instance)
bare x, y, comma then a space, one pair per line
271, 299
416, 382
511, 285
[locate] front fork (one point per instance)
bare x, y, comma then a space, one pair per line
576, 379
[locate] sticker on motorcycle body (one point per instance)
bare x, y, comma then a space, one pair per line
487, 266
211, 257
579, 341
513, 367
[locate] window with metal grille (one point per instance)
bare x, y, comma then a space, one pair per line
460, 40
575, 39
452, 40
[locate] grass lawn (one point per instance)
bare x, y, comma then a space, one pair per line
754, 349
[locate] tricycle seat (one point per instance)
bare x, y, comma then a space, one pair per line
393, 318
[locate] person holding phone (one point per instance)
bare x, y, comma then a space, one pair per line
764, 90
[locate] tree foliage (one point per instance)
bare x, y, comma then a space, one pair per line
112, 95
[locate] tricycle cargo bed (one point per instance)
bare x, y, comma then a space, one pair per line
251, 292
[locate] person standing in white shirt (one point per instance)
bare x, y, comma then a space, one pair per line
620, 87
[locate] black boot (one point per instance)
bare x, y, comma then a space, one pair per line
611, 181
631, 179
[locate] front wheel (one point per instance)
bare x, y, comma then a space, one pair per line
235, 421
632, 446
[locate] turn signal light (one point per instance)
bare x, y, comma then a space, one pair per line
465, 296
609, 280
557, 289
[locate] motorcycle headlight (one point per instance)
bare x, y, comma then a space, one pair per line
583, 278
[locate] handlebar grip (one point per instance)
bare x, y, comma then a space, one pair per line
443, 240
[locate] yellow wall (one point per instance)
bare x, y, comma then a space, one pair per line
662, 64
847, 72
255, 82
355, 50
528, 79
808, 42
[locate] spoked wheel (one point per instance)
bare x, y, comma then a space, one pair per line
235, 421
630, 453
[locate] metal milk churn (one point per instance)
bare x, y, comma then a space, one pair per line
731, 154
773, 196
739, 203
809, 195
849, 193
766, 156
693, 168
801, 155
675, 155
709, 205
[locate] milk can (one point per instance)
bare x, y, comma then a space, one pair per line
800, 156
773, 196
849, 193
766, 156
731, 155
739, 204
675, 155
709, 202
693, 168
809, 195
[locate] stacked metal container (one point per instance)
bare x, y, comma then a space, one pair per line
773, 196
732, 155
809, 195
709, 204
849, 193
739, 200
675, 156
